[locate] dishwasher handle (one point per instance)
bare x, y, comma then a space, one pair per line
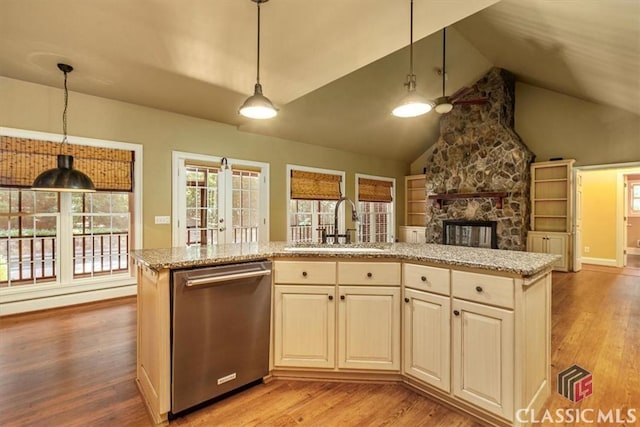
226, 278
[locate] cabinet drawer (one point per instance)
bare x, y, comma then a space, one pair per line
425, 278
483, 288
369, 273
305, 272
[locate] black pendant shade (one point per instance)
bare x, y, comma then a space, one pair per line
63, 178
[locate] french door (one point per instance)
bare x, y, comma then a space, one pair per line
219, 200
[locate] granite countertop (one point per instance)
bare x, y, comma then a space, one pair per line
521, 263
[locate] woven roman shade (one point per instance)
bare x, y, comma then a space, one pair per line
315, 186
373, 190
23, 159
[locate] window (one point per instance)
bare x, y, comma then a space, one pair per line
376, 208
634, 198
312, 197
219, 200
60, 243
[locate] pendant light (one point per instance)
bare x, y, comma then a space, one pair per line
258, 106
64, 177
443, 104
413, 104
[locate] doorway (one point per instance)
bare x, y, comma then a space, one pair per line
604, 220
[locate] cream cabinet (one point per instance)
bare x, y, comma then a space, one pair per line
304, 324
346, 309
483, 356
413, 234
369, 327
426, 337
551, 243
552, 210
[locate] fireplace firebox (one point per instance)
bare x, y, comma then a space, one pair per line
480, 234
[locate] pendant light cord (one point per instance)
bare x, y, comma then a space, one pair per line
444, 54
258, 61
64, 112
411, 41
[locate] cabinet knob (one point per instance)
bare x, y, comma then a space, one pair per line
423, 278
406, 299
330, 297
304, 274
342, 297
456, 313
478, 288
369, 275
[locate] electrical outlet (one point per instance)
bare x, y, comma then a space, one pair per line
587, 249
162, 220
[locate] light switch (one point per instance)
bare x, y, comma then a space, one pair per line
163, 220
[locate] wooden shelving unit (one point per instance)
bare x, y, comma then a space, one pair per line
552, 210
416, 200
414, 210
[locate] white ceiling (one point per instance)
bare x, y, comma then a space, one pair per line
333, 67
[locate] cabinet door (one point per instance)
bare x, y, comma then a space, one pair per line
426, 337
304, 326
557, 245
483, 356
369, 327
536, 243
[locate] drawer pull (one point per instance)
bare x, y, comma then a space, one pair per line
304, 274
330, 297
342, 297
369, 275
423, 278
478, 288
406, 299
456, 313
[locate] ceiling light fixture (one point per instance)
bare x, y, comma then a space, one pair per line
64, 177
258, 106
413, 104
443, 104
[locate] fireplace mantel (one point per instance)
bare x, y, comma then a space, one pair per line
497, 196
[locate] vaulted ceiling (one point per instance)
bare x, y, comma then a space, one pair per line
334, 68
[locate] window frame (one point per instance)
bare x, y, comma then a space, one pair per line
65, 284
631, 184
391, 226
290, 167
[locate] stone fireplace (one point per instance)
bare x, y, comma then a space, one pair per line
479, 167
477, 234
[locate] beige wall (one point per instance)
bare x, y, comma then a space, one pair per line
599, 214
30, 106
556, 125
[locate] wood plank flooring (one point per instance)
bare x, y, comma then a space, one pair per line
75, 367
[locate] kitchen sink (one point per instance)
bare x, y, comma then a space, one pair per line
334, 249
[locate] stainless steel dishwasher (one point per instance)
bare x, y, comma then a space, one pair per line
219, 331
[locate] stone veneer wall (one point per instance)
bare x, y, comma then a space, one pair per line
479, 151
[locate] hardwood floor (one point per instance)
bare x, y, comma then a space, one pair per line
75, 367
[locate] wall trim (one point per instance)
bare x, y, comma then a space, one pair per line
633, 250
57, 301
600, 261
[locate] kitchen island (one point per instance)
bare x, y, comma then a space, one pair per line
469, 327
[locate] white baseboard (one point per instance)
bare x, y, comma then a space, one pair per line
25, 306
633, 251
600, 261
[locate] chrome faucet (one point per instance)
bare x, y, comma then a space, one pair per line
354, 217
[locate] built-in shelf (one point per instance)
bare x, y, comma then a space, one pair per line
497, 196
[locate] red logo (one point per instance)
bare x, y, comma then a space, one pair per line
575, 383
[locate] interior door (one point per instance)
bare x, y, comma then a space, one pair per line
577, 230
